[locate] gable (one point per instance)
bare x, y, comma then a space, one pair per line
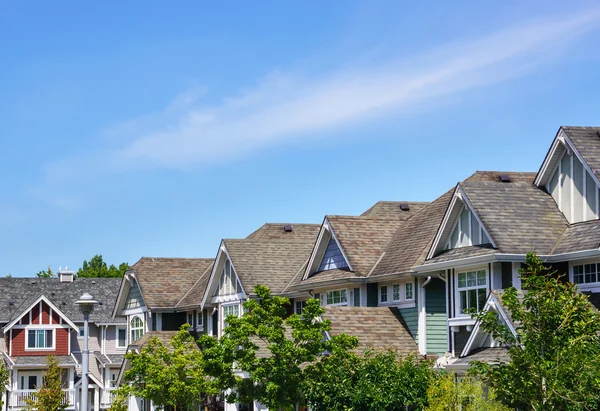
333, 258
229, 283
461, 226
39, 312
223, 283
327, 254
134, 296
568, 178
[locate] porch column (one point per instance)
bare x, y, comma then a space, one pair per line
97, 398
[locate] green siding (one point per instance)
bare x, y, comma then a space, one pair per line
411, 316
372, 296
435, 307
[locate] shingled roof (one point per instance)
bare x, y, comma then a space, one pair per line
273, 263
412, 240
392, 209
579, 237
17, 294
276, 231
165, 281
587, 142
375, 327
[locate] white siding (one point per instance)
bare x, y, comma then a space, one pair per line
565, 186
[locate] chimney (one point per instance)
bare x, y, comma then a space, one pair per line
66, 275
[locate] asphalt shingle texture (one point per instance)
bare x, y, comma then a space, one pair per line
460, 253
485, 354
579, 237
587, 142
275, 231
392, 210
165, 281
17, 294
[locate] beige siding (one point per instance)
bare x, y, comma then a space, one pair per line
93, 343
111, 340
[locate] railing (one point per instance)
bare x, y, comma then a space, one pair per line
107, 397
19, 398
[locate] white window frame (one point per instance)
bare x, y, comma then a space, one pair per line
52, 348
383, 292
341, 304
117, 329
457, 290
302, 305
199, 320
412, 291
223, 316
592, 287
131, 329
401, 301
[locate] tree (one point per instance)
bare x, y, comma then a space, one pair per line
50, 396
46, 274
272, 349
171, 376
97, 268
3, 381
379, 380
555, 354
467, 394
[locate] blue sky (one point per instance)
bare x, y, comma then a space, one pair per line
155, 129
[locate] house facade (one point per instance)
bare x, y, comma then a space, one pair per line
39, 318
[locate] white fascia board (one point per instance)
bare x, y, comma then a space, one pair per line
330, 283
442, 226
124, 282
213, 273
315, 250
428, 268
52, 306
465, 200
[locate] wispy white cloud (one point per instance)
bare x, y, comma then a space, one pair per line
287, 106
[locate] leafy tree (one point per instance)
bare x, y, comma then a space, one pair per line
119, 402
172, 377
379, 380
9, 275
46, 274
3, 381
555, 354
467, 394
97, 268
50, 396
272, 349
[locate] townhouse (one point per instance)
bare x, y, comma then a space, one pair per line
39, 317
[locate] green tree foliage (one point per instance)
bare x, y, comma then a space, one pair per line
172, 376
272, 348
555, 355
468, 394
50, 396
120, 399
46, 274
3, 381
97, 268
379, 380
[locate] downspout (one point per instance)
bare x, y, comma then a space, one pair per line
426, 281
423, 318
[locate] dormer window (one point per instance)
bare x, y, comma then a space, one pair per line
333, 257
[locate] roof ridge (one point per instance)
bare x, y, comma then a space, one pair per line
210, 266
559, 239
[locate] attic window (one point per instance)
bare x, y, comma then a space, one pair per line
404, 207
288, 228
505, 178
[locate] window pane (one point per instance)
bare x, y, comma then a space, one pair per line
578, 274
396, 292
471, 279
409, 291
472, 298
481, 297
383, 294
463, 301
122, 337
31, 339
481, 278
462, 280
40, 338
343, 297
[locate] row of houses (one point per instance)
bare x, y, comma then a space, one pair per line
400, 274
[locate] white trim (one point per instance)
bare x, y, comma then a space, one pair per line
28, 310
325, 227
209, 291
347, 291
52, 348
117, 346
458, 310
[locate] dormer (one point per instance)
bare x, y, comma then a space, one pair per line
461, 226
224, 284
327, 253
567, 176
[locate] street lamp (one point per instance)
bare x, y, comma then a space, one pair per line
86, 305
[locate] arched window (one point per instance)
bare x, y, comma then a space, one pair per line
137, 328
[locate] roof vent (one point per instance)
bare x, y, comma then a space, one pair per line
404, 207
505, 178
288, 228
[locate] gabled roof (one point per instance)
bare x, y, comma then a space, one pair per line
460, 253
392, 209
28, 305
16, 294
195, 295
375, 327
164, 282
276, 231
578, 237
411, 242
363, 239
273, 263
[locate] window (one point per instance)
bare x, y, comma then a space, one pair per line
337, 297
383, 297
200, 320
190, 319
333, 257
137, 328
40, 339
585, 274
299, 306
396, 292
472, 290
81, 332
228, 310
121, 338
408, 291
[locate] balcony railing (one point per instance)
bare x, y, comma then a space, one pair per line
19, 398
107, 397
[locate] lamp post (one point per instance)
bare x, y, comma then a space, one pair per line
86, 305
